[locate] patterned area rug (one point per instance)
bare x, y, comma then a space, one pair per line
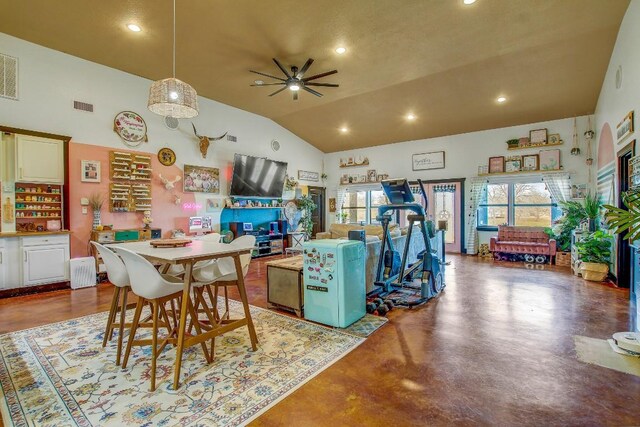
365, 326
59, 374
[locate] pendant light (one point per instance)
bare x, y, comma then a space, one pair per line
172, 97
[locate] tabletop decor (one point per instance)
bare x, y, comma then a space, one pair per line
530, 162
59, 374
496, 164
352, 161
426, 161
538, 136
513, 164
131, 128
201, 179
169, 243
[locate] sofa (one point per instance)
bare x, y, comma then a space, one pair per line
522, 241
374, 244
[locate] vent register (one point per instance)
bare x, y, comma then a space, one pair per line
8, 77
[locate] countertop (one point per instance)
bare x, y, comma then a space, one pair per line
33, 233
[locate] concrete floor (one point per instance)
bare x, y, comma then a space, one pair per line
496, 348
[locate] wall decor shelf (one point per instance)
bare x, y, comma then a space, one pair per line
129, 197
553, 144
129, 167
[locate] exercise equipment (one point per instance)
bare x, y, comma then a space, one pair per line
392, 272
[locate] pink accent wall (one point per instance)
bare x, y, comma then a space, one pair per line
165, 213
606, 152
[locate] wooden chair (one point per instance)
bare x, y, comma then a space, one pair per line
118, 276
156, 289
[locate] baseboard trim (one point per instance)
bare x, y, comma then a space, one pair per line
49, 287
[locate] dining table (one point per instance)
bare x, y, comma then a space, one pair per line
187, 256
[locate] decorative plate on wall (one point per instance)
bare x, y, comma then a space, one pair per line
166, 156
130, 127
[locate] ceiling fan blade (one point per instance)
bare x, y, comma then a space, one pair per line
311, 91
295, 96
278, 91
268, 84
304, 69
284, 70
267, 75
317, 76
319, 84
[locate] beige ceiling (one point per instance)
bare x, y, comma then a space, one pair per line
439, 59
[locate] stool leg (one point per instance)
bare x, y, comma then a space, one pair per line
112, 315
245, 303
132, 332
123, 312
154, 344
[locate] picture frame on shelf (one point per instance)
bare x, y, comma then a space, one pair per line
496, 164
530, 162
538, 136
371, 175
90, 170
554, 138
427, 161
549, 160
625, 127
512, 165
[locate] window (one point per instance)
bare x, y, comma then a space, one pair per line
362, 206
525, 204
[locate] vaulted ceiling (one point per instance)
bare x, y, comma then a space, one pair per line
441, 60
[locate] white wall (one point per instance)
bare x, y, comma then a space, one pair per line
50, 81
463, 154
614, 104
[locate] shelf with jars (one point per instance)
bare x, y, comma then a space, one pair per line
38, 207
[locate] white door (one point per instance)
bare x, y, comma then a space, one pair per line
45, 264
39, 159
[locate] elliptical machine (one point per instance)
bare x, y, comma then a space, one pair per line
392, 273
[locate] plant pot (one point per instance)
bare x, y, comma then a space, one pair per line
592, 224
594, 271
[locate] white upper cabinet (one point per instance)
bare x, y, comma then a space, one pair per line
39, 159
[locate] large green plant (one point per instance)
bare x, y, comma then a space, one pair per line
621, 220
595, 247
306, 205
592, 206
573, 214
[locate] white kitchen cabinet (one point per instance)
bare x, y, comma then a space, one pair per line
39, 159
10, 263
45, 259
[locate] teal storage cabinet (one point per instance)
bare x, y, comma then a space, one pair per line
334, 281
125, 235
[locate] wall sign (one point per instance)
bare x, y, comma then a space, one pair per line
425, 161
308, 176
131, 128
625, 127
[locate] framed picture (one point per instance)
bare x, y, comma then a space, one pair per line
308, 176
578, 191
512, 165
332, 204
530, 162
550, 160
625, 127
90, 171
371, 175
554, 138
425, 161
201, 179
538, 136
496, 164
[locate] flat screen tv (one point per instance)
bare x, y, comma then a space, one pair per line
257, 177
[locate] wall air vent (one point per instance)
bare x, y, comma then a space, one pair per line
8, 77
232, 138
83, 106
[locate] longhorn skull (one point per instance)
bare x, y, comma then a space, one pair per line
204, 141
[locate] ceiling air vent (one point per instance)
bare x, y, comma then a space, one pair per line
232, 138
83, 106
8, 77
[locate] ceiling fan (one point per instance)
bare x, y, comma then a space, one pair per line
295, 79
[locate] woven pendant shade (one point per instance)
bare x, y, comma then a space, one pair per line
174, 98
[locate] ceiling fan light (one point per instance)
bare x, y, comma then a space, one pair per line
294, 87
174, 98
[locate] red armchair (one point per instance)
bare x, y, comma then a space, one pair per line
532, 243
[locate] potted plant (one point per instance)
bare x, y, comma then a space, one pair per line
592, 210
306, 205
595, 254
628, 220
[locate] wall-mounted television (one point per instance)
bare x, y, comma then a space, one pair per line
257, 177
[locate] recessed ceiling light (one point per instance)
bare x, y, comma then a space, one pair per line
344, 129
501, 99
259, 82
340, 50
411, 116
469, 1
135, 28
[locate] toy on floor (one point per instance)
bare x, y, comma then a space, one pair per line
484, 252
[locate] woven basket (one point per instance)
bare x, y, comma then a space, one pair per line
563, 259
593, 271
